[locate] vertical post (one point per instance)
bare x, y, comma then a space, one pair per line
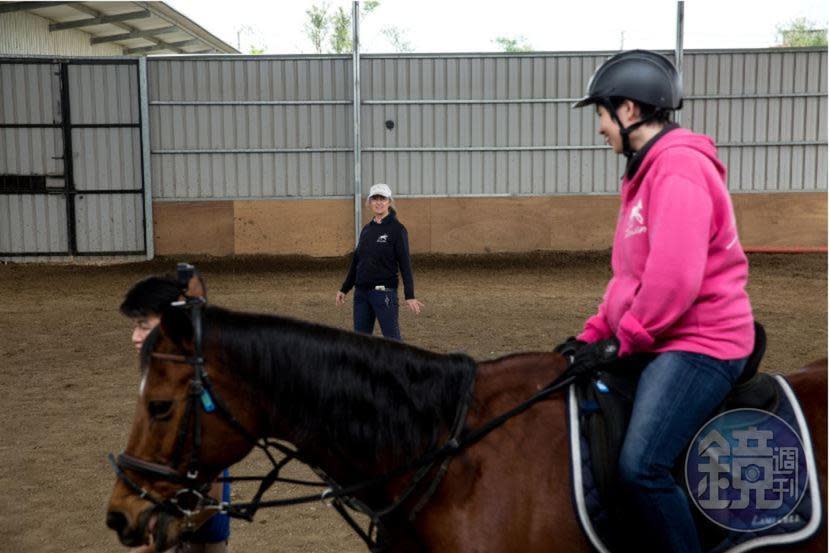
678, 49
146, 183
68, 170
358, 191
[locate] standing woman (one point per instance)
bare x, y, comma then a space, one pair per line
677, 291
382, 249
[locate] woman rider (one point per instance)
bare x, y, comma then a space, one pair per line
677, 289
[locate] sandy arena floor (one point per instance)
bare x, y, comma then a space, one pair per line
68, 375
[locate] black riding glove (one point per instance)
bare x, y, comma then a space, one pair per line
594, 355
569, 347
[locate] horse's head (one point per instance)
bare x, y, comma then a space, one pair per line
183, 435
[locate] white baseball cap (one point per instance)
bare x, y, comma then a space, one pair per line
380, 189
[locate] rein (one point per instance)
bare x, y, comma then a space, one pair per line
193, 497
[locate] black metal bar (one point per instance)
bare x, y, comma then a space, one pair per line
32, 254
69, 180
67, 254
99, 192
110, 253
77, 126
30, 126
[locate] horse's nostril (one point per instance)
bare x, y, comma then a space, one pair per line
116, 521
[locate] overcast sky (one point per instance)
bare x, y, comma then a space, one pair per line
549, 25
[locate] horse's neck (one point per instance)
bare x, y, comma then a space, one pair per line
505, 382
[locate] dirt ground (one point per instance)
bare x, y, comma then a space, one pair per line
68, 373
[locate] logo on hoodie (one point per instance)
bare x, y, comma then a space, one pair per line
636, 220
383, 238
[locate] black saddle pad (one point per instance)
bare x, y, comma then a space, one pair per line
744, 530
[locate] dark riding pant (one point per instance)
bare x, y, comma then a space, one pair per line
677, 393
377, 304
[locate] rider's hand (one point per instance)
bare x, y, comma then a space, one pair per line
340, 298
569, 347
594, 355
414, 306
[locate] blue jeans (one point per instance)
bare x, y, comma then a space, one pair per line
218, 528
677, 393
375, 304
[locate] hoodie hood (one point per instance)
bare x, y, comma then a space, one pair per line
677, 138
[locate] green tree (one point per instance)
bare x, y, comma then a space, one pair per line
341, 34
802, 32
337, 27
397, 39
317, 26
513, 44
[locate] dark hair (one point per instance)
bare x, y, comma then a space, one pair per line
648, 111
150, 296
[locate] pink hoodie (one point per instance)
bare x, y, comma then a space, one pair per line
679, 271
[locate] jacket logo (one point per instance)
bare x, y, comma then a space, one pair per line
383, 238
636, 220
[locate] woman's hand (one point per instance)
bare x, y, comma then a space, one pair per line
340, 298
414, 306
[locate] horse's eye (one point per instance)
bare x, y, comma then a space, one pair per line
160, 410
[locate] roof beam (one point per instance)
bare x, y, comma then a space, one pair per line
129, 28
162, 46
99, 20
133, 34
9, 7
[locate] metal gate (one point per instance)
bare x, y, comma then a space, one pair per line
71, 163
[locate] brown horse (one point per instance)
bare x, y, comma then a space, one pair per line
357, 407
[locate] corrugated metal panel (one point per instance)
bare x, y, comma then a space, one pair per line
32, 223
107, 158
109, 222
507, 119
103, 94
31, 151
105, 150
30, 94
28, 34
247, 128
464, 124
768, 115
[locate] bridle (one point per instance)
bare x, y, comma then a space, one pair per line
425, 473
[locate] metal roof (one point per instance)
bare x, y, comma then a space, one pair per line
139, 28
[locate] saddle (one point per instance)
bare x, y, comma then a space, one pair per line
606, 400
600, 411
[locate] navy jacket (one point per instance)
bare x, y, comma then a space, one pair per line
382, 248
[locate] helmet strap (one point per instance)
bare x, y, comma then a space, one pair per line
625, 132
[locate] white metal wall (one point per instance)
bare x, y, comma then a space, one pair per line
242, 128
106, 143
30, 95
27, 34
92, 202
477, 124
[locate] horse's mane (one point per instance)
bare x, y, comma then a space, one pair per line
355, 393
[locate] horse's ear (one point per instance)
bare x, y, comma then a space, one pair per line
190, 281
176, 325
196, 286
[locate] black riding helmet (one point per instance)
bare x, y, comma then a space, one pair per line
645, 77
